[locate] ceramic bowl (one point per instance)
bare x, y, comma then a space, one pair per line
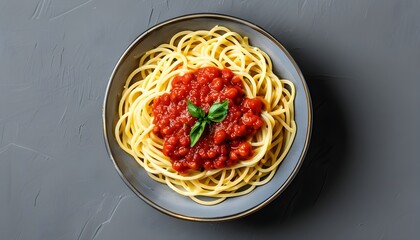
161, 196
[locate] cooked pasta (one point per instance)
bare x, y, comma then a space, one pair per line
190, 50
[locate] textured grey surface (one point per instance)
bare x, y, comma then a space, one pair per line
360, 179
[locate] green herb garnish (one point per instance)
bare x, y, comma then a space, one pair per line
217, 113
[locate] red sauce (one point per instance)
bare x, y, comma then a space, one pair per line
221, 144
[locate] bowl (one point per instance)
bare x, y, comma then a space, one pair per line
161, 196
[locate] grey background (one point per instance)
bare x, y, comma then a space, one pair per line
360, 179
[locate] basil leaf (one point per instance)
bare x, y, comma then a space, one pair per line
218, 111
196, 131
195, 110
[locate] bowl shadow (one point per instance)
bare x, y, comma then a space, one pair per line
324, 159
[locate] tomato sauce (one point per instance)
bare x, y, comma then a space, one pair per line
222, 144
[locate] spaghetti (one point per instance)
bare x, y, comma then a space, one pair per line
191, 50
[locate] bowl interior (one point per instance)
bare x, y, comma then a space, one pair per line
159, 195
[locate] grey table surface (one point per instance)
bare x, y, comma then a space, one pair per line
360, 179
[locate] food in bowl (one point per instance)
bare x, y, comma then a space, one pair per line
206, 115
